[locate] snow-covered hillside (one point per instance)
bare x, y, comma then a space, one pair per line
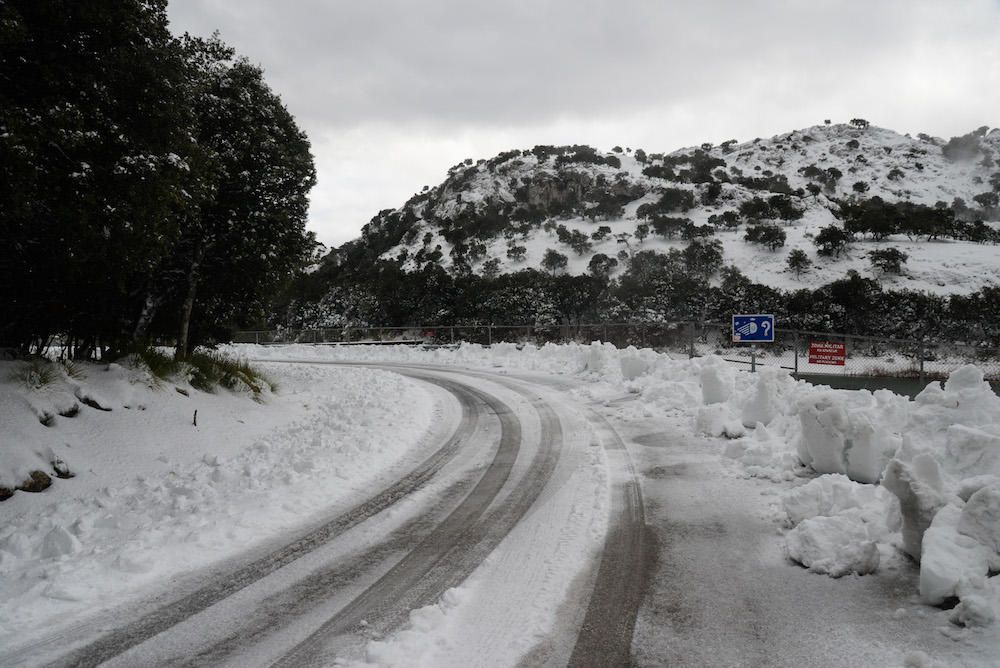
503, 214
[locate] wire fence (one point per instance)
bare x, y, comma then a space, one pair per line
802, 352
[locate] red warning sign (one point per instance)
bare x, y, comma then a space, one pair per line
827, 352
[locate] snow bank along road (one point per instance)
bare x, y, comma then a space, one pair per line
520, 470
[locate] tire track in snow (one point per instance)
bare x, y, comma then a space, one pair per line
627, 560
605, 637
163, 618
458, 545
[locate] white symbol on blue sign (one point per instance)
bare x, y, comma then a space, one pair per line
756, 328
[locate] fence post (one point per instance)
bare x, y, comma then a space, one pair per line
256, 338
452, 332
922, 355
753, 358
691, 342
489, 335
796, 347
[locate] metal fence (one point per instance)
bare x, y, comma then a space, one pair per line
865, 356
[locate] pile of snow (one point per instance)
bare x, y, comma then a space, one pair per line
153, 495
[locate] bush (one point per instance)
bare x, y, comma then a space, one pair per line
35, 374
771, 236
209, 370
888, 260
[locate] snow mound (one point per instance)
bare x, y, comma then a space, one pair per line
834, 545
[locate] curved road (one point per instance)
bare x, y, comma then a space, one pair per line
487, 476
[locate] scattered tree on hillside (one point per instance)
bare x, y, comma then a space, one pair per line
601, 265
601, 233
771, 236
832, 240
888, 260
798, 261
860, 123
554, 261
641, 232
516, 253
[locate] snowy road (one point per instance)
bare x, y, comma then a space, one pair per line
519, 458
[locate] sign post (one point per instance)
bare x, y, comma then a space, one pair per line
753, 328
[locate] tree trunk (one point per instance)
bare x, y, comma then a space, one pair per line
187, 307
142, 325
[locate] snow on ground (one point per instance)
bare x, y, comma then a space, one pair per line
869, 478
154, 496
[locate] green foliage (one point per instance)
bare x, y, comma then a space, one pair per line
159, 363
601, 265
601, 233
888, 260
554, 261
832, 240
860, 187
209, 370
966, 147
671, 200
35, 374
771, 236
157, 183
703, 257
670, 226
798, 261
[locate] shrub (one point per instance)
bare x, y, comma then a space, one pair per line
888, 260
771, 236
162, 365
601, 233
35, 374
517, 253
209, 370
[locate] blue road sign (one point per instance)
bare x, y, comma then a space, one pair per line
755, 328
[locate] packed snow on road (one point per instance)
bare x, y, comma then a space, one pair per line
843, 526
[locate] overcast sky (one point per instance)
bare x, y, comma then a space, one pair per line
393, 92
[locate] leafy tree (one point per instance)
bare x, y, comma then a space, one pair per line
859, 123
601, 265
703, 257
491, 268
669, 226
580, 242
860, 187
798, 261
601, 233
641, 232
895, 174
832, 240
771, 236
888, 260
96, 166
516, 253
554, 261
